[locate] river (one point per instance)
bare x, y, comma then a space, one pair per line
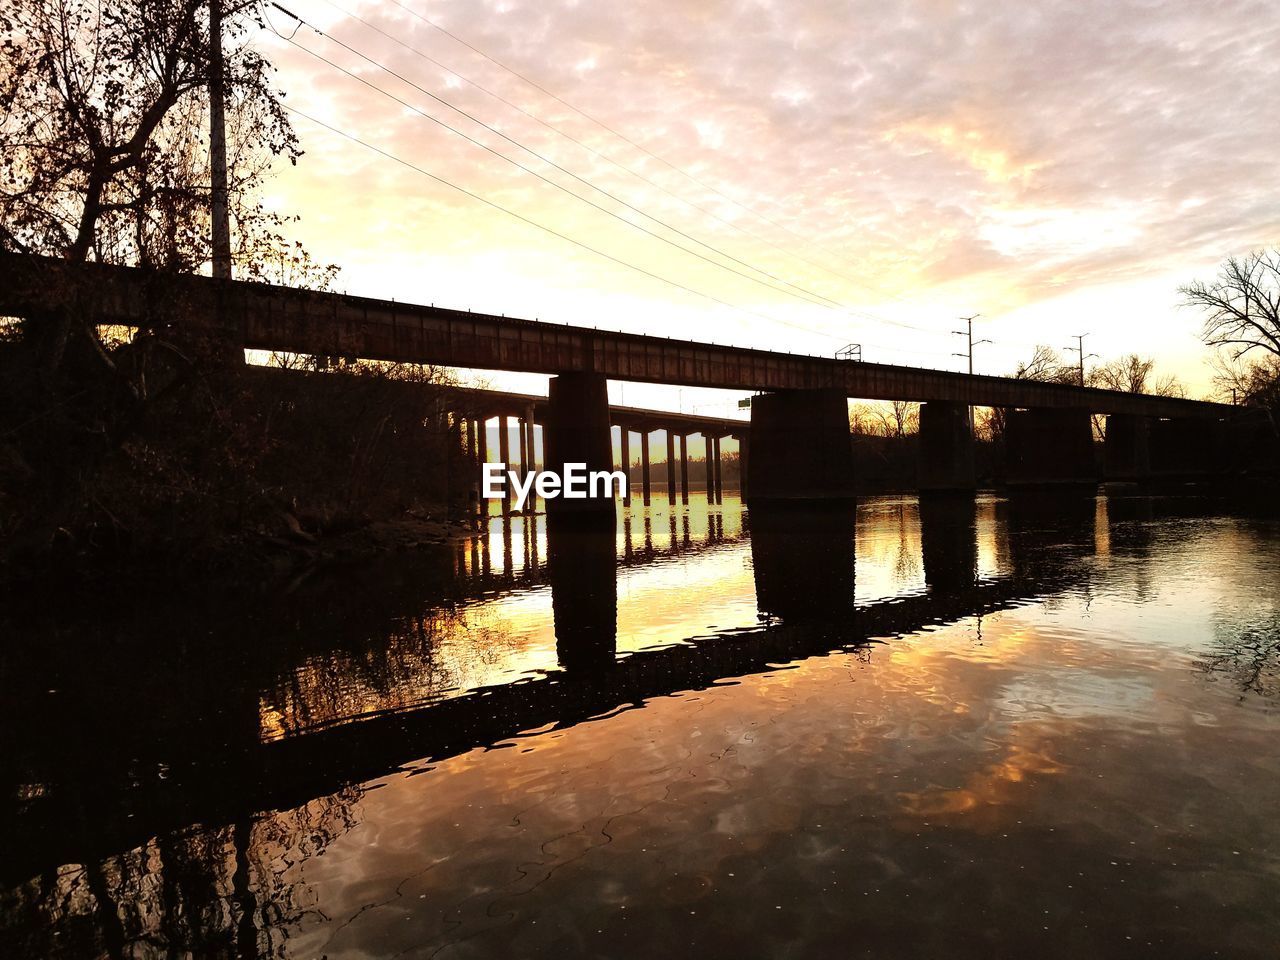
991, 727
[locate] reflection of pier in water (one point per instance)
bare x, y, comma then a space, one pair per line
489, 561
144, 788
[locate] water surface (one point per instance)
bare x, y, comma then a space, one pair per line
918, 729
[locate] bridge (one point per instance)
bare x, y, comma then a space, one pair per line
528, 411
798, 432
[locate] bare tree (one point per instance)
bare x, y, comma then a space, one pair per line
103, 144
904, 417
897, 418
1046, 365
1135, 374
1252, 384
1242, 305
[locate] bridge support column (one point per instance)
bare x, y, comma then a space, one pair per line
1184, 448
626, 463
946, 447
1049, 447
671, 467
684, 469
644, 465
473, 462
504, 455
713, 469
482, 444
744, 450
800, 448
526, 453
530, 446
1127, 450
577, 431
719, 472
522, 435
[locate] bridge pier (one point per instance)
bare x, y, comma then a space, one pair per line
626, 463
504, 455
482, 445
1127, 448
946, 447
577, 431
531, 446
743, 469
800, 447
684, 469
522, 435
1049, 447
644, 465
713, 469
1184, 449
671, 467
473, 462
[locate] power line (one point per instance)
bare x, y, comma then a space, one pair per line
562, 188
543, 227
533, 223
587, 147
649, 153
830, 304
807, 296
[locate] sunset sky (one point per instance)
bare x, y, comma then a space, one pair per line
1057, 167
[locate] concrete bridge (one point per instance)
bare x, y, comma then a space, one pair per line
527, 412
799, 422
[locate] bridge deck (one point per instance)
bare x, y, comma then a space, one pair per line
284, 319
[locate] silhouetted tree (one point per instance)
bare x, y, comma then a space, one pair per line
1046, 366
895, 419
1134, 374
1242, 305
1242, 319
103, 141
1249, 383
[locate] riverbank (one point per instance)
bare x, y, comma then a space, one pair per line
267, 556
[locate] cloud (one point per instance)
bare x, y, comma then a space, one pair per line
1026, 149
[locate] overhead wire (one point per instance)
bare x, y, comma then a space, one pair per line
600, 123
521, 217
827, 304
654, 156
599, 154
807, 296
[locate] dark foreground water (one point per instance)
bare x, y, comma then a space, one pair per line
1029, 728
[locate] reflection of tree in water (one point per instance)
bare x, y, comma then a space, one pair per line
906, 564
229, 891
418, 659
1246, 656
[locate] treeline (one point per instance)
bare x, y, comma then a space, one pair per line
218, 460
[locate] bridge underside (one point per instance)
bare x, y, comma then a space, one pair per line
798, 435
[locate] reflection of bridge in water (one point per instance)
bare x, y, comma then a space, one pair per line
489, 560
132, 784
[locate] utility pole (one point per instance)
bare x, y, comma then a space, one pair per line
221, 233
1079, 348
968, 334
972, 342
